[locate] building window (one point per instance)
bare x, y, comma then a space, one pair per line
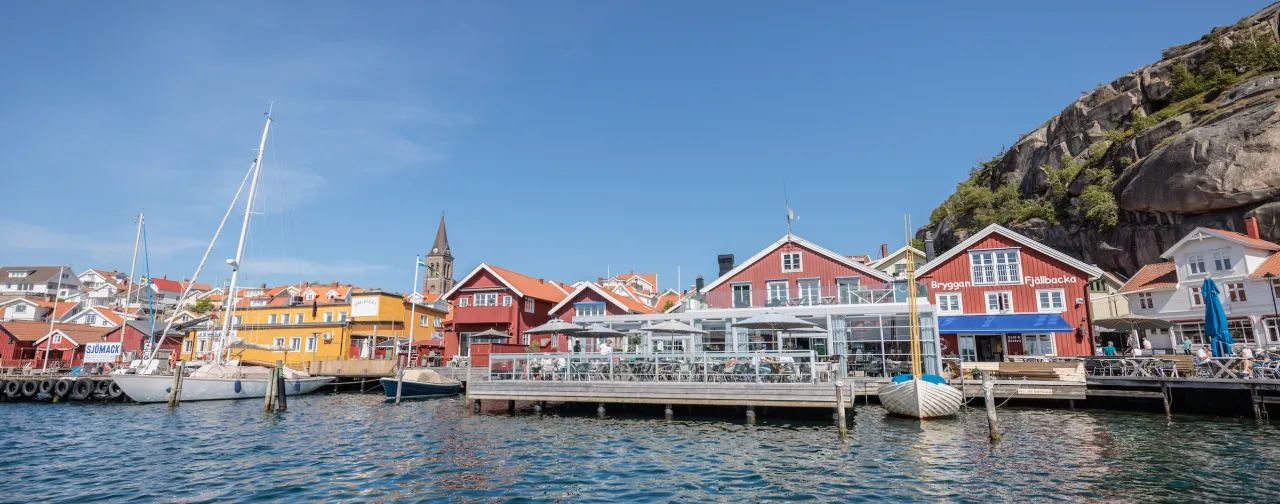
741, 295
17, 274
1145, 301
462, 301
328, 316
186, 346
57, 338
588, 309
20, 308
1222, 260
91, 319
1037, 344
295, 343
1235, 291
1050, 300
506, 300
1195, 263
258, 302
900, 269
528, 305
949, 302
1099, 285
848, 290
311, 343
342, 316
791, 262
486, 299
1196, 298
810, 291
777, 292
271, 319
435, 321
311, 296
237, 320
297, 318
999, 302
279, 341
284, 319
423, 320
995, 267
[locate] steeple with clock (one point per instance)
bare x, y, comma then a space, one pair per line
439, 276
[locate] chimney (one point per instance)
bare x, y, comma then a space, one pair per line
928, 247
334, 284
884, 250
264, 285
726, 263
1251, 225
166, 277
698, 284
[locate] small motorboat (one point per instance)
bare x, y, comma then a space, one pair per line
421, 384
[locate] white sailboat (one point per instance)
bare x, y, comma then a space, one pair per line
150, 382
918, 395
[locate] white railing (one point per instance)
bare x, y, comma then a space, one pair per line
710, 367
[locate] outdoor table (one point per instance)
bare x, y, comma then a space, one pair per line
1226, 367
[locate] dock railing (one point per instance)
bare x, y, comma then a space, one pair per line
707, 367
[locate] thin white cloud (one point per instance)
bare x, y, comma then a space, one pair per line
26, 237
282, 269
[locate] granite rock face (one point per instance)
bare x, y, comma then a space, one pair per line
1210, 167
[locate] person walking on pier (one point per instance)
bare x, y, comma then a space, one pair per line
1109, 350
1186, 346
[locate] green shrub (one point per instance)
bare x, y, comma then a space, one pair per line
1116, 136
1100, 206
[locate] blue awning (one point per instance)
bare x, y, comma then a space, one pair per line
998, 324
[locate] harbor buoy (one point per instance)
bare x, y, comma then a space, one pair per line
61, 388
29, 388
82, 389
113, 390
46, 386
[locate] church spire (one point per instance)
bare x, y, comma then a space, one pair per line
441, 245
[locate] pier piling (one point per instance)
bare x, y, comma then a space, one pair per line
751, 414
988, 394
475, 406
282, 404
511, 407
600, 410
399, 384
175, 389
1253, 396
667, 412
1164, 397
268, 399
840, 421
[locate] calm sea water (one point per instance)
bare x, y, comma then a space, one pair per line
356, 448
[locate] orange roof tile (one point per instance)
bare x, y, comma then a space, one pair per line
25, 330
1271, 265
196, 286
672, 296
62, 309
631, 304
532, 287
1245, 238
1152, 276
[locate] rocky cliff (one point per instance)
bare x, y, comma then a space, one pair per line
1130, 167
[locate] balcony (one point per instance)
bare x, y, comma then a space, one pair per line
482, 314
825, 295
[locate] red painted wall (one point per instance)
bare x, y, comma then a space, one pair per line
134, 340
958, 273
588, 296
813, 265
510, 319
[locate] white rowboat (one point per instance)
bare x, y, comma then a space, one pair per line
920, 399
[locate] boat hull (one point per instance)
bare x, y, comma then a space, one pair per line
415, 390
155, 388
920, 399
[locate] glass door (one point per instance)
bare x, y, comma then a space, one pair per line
968, 350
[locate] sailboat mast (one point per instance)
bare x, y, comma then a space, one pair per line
913, 308
413, 308
128, 289
244, 229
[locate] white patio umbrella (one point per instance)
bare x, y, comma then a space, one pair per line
598, 331
555, 327
774, 322
673, 327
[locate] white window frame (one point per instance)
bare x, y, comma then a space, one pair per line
1001, 266
279, 341
202, 345
812, 295
464, 301
21, 308
295, 343
237, 320
786, 292
311, 343
795, 258
987, 301
596, 309
485, 299
328, 316
57, 338
1062, 298
506, 300
1221, 260
945, 307
1197, 299
1046, 337
257, 302
530, 305
1146, 301
1196, 262
435, 321
271, 319
91, 319
311, 296
297, 318
342, 316
1237, 292
286, 318
733, 293
186, 345
423, 320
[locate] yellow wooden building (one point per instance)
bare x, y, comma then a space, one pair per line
323, 323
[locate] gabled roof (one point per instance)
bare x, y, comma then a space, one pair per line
1271, 265
166, 285
1113, 279
1201, 233
35, 332
862, 258
790, 238
1152, 276
669, 295
895, 255
626, 304
34, 302
522, 285
964, 246
37, 274
195, 286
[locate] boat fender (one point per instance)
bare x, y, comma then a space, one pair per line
82, 389
113, 390
12, 388
61, 388
103, 386
297, 386
46, 386
238, 387
29, 388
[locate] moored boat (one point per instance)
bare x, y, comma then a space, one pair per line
216, 382
421, 384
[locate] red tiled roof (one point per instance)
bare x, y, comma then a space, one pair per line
1245, 238
532, 287
24, 330
1271, 265
1153, 276
62, 309
631, 304
862, 258
672, 296
196, 286
167, 285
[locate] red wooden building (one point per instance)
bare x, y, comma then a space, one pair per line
591, 300
494, 298
135, 336
795, 272
63, 346
999, 293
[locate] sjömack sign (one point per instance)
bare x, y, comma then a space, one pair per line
101, 352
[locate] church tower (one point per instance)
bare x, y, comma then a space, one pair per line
439, 276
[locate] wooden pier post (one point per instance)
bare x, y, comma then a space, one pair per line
268, 401
175, 390
1253, 396
511, 407
537, 406
282, 389
1164, 396
989, 395
600, 410
399, 384
667, 412
844, 431
475, 406
751, 414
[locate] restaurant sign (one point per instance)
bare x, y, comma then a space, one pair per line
101, 352
937, 286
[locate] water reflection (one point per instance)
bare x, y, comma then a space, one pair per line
350, 447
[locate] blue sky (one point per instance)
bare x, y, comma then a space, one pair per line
560, 138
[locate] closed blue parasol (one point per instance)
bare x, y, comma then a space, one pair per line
1215, 320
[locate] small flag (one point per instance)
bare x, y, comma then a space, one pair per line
420, 261
144, 280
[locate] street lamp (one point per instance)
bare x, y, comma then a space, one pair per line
1271, 280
